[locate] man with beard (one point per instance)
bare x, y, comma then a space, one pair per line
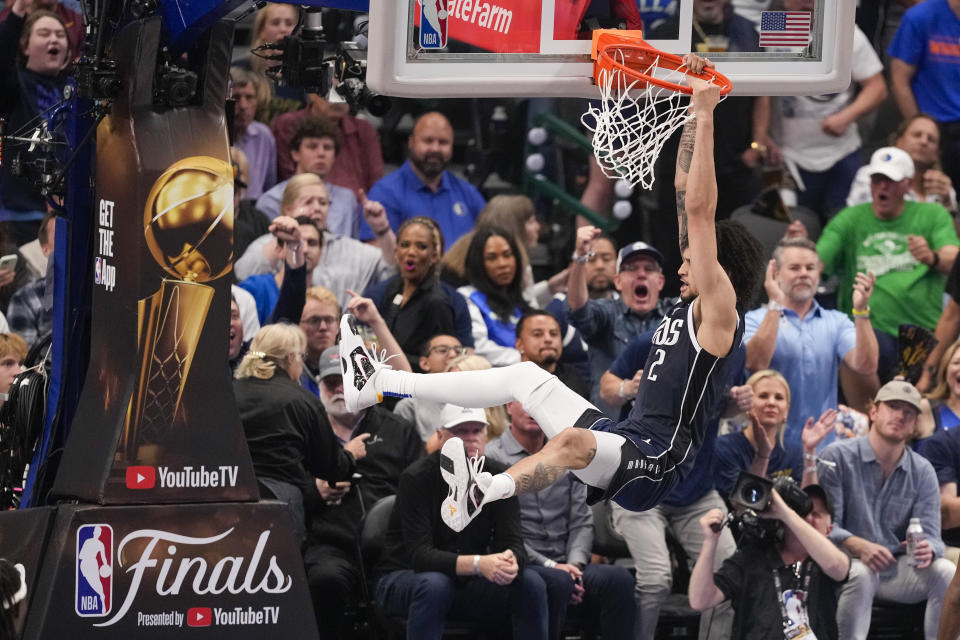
392, 444
423, 186
539, 341
794, 335
608, 324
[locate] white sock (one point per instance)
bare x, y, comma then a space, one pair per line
501, 487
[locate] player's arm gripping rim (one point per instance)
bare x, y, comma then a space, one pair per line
715, 311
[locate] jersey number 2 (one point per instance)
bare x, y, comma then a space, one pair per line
661, 354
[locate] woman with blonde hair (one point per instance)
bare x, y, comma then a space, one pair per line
945, 396
286, 427
759, 448
516, 215
273, 23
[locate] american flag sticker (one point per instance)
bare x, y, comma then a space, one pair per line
785, 28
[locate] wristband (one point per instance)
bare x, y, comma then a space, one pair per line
620, 391
774, 306
476, 565
382, 232
861, 315
810, 457
584, 259
936, 260
549, 564
810, 469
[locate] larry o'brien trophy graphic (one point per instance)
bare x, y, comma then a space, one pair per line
188, 225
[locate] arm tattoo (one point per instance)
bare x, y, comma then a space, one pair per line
543, 476
682, 214
687, 138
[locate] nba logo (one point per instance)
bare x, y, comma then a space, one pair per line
96, 271
94, 582
433, 24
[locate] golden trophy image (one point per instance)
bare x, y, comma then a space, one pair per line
188, 226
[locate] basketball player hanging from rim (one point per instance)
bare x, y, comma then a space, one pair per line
637, 462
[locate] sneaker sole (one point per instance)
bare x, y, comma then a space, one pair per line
453, 469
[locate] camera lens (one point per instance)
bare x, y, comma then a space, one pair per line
753, 493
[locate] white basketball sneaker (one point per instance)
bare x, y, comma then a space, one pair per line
359, 368
466, 479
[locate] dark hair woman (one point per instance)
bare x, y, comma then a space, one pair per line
414, 303
495, 294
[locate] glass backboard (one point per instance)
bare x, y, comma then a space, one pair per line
445, 48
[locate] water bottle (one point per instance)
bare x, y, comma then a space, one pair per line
914, 537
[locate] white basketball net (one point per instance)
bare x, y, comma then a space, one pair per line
634, 120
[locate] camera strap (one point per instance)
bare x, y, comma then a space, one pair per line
796, 618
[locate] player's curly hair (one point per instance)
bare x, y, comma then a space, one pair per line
741, 256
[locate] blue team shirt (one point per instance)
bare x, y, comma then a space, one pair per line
929, 39
455, 205
263, 287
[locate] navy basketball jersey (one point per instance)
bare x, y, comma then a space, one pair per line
681, 388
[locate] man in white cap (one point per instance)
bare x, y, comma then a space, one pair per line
877, 485
909, 246
430, 573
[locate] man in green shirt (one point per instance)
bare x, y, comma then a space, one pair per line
909, 246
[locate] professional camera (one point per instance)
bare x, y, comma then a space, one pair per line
752, 495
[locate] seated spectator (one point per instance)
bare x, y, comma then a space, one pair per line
539, 341
909, 246
13, 351
286, 428
430, 574
877, 484
250, 136
942, 450
945, 396
314, 145
818, 134
359, 162
557, 527
273, 23
28, 313
249, 223
759, 447
808, 344
608, 324
415, 304
238, 347
779, 589
391, 445
248, 310
919, 136
298, 247
36, 252
494, 295
435, 355
424, 187
344, 262
516, 215
34, 52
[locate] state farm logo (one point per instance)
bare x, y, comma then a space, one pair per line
190, 477
184, 572
141, 477
199, 617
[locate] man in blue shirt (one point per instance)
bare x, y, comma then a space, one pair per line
925, 71
877, 484
424, 187
806, 343
608, 324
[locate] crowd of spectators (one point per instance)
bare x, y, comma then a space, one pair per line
442, 279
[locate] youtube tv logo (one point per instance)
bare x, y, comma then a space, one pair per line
199, 617
141, 477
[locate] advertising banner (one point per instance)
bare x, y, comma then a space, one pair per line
159, 571
157, 421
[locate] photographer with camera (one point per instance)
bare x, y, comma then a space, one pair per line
781, 588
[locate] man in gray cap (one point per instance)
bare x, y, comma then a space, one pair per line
392, 444
877, 485
608, 324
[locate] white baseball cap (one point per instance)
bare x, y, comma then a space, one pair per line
452, 416
891, 162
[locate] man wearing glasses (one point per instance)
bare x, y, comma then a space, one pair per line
436, 354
